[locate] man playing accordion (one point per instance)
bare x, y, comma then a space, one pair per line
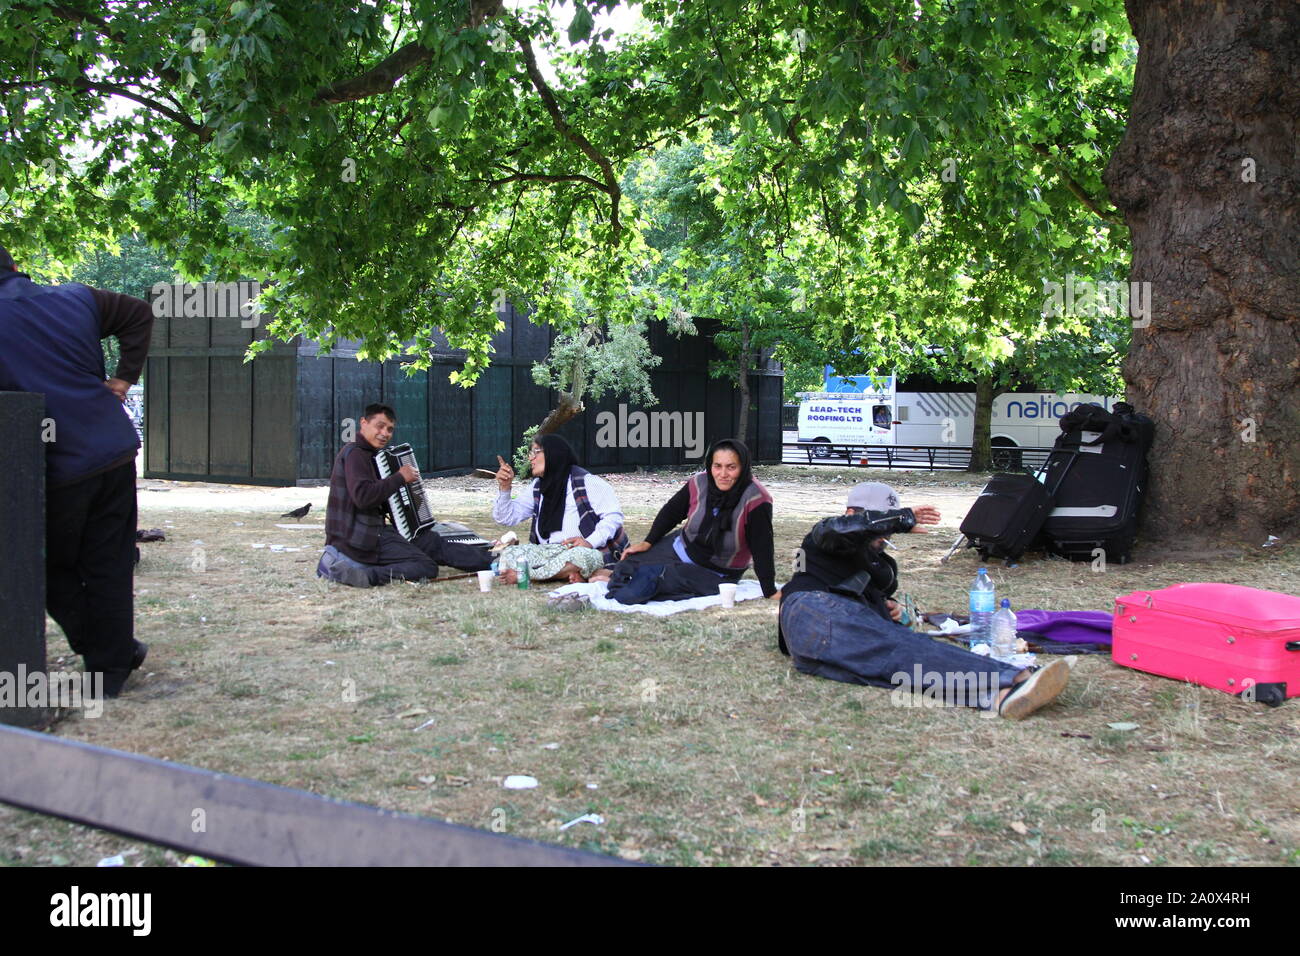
361, 548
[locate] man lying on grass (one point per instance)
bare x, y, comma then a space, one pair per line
837, 619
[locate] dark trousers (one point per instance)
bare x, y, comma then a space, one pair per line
418, 559
680, 579
90, 567
833, 636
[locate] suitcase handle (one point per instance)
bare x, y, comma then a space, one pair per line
1042, 472
1293, 645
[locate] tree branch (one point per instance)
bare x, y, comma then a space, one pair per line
610, 187
203, 132
544, 178
1078, 191
381, 77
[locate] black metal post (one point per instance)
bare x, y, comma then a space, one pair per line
22, 558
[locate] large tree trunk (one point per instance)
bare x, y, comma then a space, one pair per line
1207, 179
981, 451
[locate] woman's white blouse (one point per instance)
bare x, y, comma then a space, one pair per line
511, 511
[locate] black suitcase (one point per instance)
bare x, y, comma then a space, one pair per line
1098, 470
1007, 516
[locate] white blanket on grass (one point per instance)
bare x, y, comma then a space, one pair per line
595, 592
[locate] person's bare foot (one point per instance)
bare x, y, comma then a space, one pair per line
509, 577
604, 574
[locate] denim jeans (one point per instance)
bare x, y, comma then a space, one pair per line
833, 636
679, 579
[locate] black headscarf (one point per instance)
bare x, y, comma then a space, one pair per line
553, 483
713, 527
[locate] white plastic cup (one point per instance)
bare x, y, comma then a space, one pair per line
728, 592
485, 581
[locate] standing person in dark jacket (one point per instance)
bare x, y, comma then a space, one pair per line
838, 619
361, 550
728, 525
50, 343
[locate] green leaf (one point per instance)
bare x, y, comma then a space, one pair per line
580, 26
775, 122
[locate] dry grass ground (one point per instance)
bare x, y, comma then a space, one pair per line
692, 736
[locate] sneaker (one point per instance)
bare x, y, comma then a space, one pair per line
1043, 686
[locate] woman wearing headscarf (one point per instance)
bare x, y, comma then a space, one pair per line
576, 524
728, 525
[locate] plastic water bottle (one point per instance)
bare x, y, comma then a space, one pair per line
1004, 631
981, 608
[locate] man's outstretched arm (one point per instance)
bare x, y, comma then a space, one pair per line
846, 534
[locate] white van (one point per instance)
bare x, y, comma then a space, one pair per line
851, 418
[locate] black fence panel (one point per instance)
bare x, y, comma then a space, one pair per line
768, 390
409, 396
282, 418
157, 414
230, 440
451, 430
188, 406
317, 430
275, 417
492, 400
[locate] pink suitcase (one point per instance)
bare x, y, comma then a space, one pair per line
1226, 636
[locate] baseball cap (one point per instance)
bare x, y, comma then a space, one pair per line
873, 496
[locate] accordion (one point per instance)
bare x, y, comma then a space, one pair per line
409, 505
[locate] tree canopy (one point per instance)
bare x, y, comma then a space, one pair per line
421, 161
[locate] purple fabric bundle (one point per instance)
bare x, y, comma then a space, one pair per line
1070, 627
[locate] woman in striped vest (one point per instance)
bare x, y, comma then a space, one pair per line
728, 526
576, 524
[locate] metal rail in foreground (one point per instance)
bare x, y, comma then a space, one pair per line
931, 457
242, 821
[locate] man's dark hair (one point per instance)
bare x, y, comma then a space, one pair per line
377, 408
6, 260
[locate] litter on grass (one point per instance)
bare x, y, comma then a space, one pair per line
519, 781
593, 818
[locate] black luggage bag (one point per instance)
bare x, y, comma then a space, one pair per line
1098, 472
1007, 516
